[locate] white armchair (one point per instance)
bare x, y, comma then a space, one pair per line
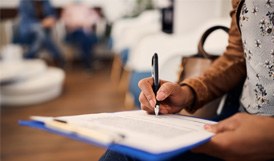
191, 19
171, 48
128, 32
168, 46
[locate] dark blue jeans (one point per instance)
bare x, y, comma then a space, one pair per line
188, 156
85, 42
40, 38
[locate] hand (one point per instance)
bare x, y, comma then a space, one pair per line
241, 137
48, 22
173, 98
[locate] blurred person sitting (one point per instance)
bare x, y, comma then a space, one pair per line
80, 23
36, 19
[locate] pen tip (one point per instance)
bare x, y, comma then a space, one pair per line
156, 110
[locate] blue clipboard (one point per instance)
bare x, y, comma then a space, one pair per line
133, 152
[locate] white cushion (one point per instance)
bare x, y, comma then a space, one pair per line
38, 83
11, 53
20, 70
32, 98
37, 89
9, 71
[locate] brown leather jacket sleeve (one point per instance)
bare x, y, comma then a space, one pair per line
225, 73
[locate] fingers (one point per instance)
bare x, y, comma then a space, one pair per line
145, 105
165, 90
147, 96
146, 87
221, 127
164, 109
223, 144
226, 125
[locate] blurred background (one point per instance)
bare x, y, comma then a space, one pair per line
86, 56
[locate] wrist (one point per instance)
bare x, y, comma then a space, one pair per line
191, 97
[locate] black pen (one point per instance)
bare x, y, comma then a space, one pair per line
156, 80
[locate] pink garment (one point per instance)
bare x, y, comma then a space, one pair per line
77, 16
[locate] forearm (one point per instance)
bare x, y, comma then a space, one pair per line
224, 74
265, 136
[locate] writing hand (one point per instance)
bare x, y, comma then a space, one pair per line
173, 98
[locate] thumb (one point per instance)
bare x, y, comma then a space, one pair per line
229, 124
165, 90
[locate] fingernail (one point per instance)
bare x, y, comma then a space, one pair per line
161, 95
208, 127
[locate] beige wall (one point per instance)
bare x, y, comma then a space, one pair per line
190, 14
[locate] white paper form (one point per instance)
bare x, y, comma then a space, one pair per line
155, 134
